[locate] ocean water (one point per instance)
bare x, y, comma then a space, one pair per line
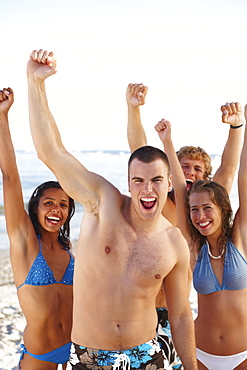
110, 164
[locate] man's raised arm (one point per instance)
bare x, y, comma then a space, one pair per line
79, 183
135, 96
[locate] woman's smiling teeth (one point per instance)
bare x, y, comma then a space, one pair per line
204, 224
53, 219
148, 203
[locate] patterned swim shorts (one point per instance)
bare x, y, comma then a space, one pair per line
148, 356
165, 339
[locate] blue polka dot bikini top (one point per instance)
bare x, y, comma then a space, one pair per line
41, 274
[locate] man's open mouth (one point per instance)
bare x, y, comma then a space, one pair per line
148, 203
189, 183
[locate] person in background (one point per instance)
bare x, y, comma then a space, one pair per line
218, 259
195, 162
126, 251
40, 257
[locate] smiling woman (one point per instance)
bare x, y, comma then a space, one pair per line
218, 249
219, 273
42, 264
55, 202
210, 213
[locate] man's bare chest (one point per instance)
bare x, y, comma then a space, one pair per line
126, 254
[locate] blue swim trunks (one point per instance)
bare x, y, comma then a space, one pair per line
141, 357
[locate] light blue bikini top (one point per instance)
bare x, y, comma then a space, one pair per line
234, 273
41, 274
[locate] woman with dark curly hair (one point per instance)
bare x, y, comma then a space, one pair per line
40, 256
218, 259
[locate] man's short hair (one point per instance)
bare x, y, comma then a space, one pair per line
148, 154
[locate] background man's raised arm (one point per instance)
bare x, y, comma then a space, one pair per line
135, 96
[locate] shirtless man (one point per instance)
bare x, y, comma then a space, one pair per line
125, 252
196, 165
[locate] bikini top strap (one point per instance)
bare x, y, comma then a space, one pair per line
40, 244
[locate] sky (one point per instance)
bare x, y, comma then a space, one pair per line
191, 54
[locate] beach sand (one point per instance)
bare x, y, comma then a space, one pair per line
12, 322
